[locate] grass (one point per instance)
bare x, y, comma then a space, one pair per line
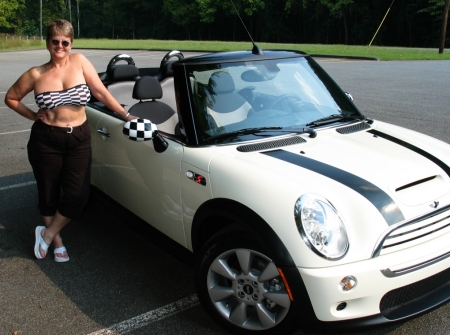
381, 53
7, 43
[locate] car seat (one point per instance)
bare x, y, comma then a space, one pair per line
224, 104
149, 89
121, 79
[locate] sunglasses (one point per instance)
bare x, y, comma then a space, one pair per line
64, 43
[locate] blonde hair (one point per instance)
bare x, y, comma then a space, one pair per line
60, 27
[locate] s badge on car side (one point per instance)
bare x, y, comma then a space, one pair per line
199, 179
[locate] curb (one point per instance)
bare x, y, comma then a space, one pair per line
346, 57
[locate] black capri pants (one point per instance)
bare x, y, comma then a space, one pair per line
61, 162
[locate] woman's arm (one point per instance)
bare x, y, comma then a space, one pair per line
99, 90
18, 91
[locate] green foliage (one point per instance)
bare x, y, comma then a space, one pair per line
337, 7
183, 12
435, 8
409, 23
8, 13
29, 28
207, 10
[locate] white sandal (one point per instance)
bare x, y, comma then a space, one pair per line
39, 242
60, 250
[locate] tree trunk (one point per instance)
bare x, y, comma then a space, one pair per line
132, 26
444, 26
154, 25
345, 30
409, 21
188, 32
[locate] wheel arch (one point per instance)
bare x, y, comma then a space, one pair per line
216, 215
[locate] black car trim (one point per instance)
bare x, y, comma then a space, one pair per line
417, 150
238, 56
380, 199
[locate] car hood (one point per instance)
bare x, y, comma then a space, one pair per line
399, 179
378, 179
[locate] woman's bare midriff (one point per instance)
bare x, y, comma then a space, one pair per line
65, 115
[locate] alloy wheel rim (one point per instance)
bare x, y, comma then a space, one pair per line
246, 289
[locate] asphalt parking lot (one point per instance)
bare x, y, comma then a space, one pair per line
120, 282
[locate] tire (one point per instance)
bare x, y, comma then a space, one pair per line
239, 286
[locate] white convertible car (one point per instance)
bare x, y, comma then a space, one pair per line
297, 208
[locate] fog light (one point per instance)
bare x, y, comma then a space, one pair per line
347, 283
341, 306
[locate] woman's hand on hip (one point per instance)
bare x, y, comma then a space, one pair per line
41, 114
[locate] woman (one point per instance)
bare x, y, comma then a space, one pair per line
59, 148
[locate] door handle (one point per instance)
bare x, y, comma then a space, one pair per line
104, 132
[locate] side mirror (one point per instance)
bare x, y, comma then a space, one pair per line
144, 130
139, 130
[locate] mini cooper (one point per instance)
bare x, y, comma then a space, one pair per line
296, 208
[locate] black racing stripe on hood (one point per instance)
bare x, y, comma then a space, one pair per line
409, 146
380, 199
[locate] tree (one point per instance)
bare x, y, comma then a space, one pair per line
214, 11
444, 26
8, 13
339, 9
435, 9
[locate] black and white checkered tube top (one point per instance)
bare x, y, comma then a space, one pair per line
78, 95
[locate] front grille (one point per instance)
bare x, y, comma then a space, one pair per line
414, 232
271, 144
409, 293
353, 129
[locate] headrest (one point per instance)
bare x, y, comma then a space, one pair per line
147, 87
221, 82
122, 72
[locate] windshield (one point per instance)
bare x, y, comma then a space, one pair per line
283, 93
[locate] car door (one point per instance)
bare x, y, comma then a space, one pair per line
144, 181
94, 116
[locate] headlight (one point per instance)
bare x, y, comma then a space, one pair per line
320, 226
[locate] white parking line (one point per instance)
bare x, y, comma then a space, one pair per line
17, 185
149, 317
13, 132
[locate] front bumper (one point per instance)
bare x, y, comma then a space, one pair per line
378, 298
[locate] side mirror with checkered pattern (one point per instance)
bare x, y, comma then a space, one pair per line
144, 130
139, 130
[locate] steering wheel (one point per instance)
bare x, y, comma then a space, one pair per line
284, 102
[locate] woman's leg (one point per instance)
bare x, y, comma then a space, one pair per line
60, 160
57, 241
54, 225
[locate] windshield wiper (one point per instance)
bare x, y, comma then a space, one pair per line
332, 118
243, 132
312, 133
